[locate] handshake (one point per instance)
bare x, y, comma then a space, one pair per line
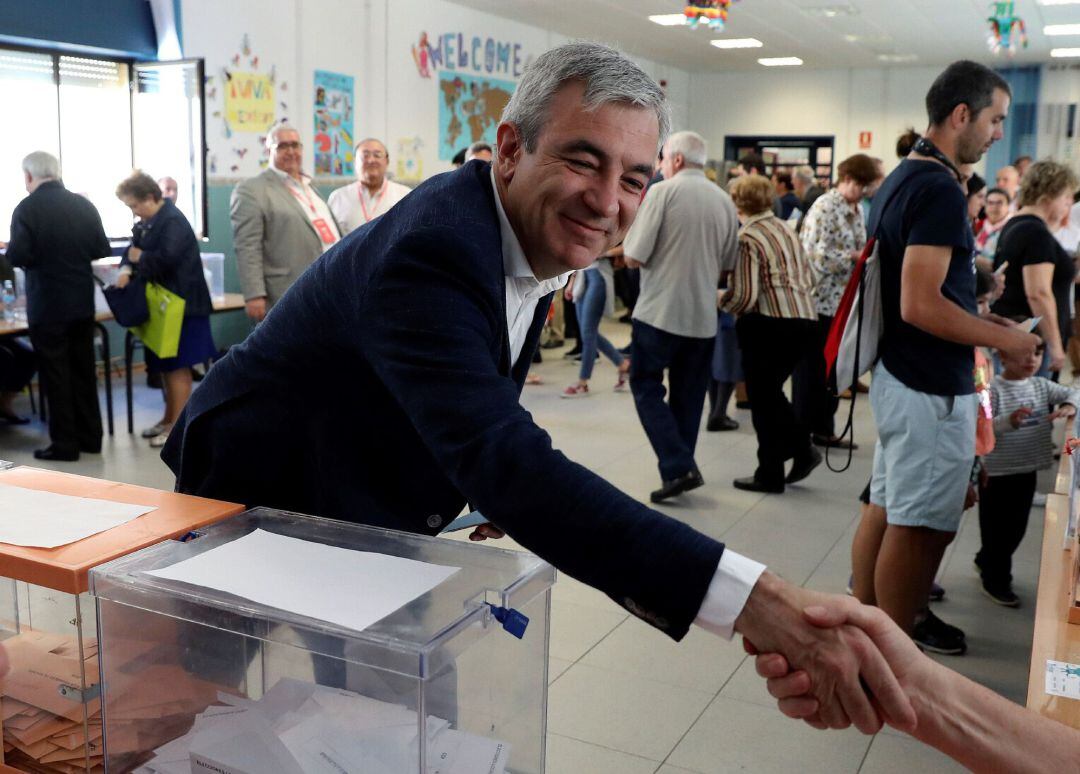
833, 662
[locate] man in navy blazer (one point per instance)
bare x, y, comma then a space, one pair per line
384, 387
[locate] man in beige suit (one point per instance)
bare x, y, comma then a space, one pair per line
280, 224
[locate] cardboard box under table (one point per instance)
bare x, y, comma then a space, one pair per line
293, 644
49, 703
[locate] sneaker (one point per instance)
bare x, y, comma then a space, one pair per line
159, 440
572, 353
623, 385
1002, 595
154, 431
936, 636
575, 391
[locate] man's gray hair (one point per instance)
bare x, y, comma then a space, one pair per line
804, 173
691, 145
41, 166
608, 76
275, 130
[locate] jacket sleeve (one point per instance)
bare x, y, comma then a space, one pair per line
433, 328
744, 281
248, 228
20, 249
173, 247
823, 244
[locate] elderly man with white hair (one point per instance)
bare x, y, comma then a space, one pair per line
55, 234
685, 237
280, 224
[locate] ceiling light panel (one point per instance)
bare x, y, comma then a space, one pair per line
669, 19
830, 11
780, 61
1061, 29
736, 43
1065, 53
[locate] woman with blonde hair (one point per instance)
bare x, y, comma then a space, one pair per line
1040, 274
771, 294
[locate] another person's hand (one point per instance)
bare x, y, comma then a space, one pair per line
123, 280
911, 668
256, 308
836, 662
568, 293
1057, 359
971, 497
1064, 411
485, 531
134, 254
1021, 344
1018, 416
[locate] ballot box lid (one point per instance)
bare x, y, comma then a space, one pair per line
307, 593
65, 568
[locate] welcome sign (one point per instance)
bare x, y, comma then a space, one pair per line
469, 54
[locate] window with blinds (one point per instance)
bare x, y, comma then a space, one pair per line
103, 117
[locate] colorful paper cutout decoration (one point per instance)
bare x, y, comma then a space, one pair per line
711, 13
1008, 32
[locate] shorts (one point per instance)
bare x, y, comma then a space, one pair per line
922, 462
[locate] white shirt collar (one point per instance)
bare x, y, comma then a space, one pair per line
304, 178
515, 264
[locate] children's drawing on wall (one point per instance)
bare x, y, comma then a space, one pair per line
410, 160
334, 101
246, 98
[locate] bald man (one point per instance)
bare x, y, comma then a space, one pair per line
169, 188
1008, 180
372, 194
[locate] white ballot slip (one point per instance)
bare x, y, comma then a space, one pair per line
1063, 679
353, 589
30, 517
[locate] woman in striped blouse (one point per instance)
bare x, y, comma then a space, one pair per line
771, 293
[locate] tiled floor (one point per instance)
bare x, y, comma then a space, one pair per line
624, 698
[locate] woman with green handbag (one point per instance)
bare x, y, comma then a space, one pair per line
165, 252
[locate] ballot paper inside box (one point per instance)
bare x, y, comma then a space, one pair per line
49, 704
196, 678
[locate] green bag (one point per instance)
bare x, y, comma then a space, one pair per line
161, 333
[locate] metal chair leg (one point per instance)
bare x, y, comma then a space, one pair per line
106, 356
129, 350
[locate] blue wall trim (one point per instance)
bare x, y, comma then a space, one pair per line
115, 27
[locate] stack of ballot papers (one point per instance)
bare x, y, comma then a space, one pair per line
44, 730
302, 728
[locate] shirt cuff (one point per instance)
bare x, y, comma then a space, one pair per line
126, 270
735, 578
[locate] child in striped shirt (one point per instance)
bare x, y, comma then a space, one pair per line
1023, 423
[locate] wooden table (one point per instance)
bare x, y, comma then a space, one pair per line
1054, 637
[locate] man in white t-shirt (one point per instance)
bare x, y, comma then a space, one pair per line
372, 194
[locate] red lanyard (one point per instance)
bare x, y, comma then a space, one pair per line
378, 202
306, 198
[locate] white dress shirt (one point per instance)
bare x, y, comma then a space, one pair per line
735, 575
311, 203
353, 205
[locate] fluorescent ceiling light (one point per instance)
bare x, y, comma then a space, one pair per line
1059, 2
1064, 53
737, 43
780, 61
1061, 29
668, 19
897, 58
831, 11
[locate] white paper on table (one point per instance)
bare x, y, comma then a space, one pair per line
353, 589
30, 517
1063, 679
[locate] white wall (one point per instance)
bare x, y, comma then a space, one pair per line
788, 101
370, 40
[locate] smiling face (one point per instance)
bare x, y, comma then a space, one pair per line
576, 194
982, 130
997, 207
287, 151
374, 161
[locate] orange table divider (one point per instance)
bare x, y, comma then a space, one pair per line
67, 567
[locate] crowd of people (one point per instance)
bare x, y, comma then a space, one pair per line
454, 285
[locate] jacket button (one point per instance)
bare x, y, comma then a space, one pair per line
434, 520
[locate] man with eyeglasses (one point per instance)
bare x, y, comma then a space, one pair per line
280, 224
372, 194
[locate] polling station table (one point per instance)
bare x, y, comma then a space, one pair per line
230, 302
49, 701
1056, 639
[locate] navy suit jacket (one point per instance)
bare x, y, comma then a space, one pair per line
380, 390
171, 258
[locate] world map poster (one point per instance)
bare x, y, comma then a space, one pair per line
469, 110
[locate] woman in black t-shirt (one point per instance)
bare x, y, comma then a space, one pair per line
1039, 277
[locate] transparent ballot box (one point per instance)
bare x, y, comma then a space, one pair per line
277, 643
50, 702
214, 272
